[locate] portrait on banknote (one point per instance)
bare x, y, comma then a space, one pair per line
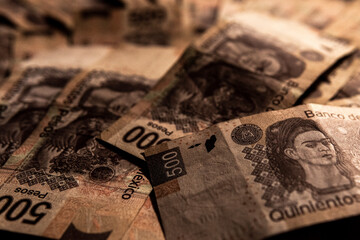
258, 54
303, 157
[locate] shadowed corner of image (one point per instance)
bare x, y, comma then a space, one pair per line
13, 235
156, 209
347, 228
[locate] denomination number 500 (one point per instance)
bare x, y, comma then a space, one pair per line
20, 208
171, 163
143, 140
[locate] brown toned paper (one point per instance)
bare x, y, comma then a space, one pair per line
146, 224
237, 68
353, 101
7, 41
27, 95
81, 187
333, 83
261, 175
352, 87
310, 12
151, 22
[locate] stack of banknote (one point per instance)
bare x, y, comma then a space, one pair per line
168, 119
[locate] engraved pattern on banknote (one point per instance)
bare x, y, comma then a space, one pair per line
109, 92
7, 51
147, 25
274, 192
163, 114
246, 134
294, 147
212, 91
29, 100
259, 54
73, 149
102, 174
33, 177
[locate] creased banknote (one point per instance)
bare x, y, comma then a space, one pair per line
95, 22
27, 95
261, 175
347, 26
151, 22
7, 41
236, 69
57, 12
353, 101
352, 86
334, 82
83, 188
312, 13
33, 34
199, 15
22, 15
146, 224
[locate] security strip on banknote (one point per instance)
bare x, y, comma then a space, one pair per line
261, 175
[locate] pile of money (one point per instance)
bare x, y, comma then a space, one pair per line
179, 119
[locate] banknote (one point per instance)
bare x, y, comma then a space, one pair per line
347, 25
28, 45
333, 82
83, 187
275, 8
151, 22
230, 7
353, 101
57, 12
311, 13
260, 175
351, 87
146, 224
32, 33
260, 70
96, 22
314, 14
7, 49
198, 16
22, 15
86, 189
27, 95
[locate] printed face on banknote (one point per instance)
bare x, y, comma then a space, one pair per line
251, 51
268, 173
299, 152
314, 148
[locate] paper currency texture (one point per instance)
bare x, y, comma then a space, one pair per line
257, 176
